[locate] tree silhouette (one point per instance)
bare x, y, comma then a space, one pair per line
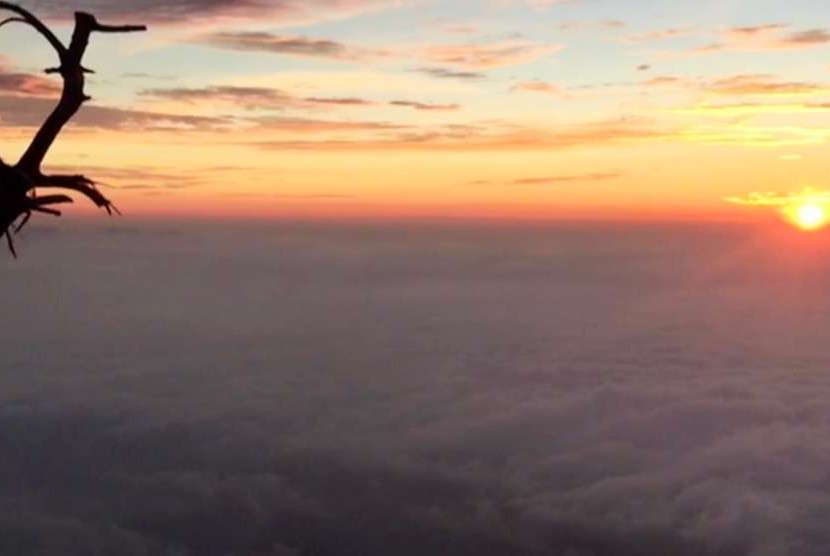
18, 182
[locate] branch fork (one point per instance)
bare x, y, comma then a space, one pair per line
19, 182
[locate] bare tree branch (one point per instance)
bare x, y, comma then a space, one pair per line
39, 26
12, 20
72, 72
79, 184
16, 182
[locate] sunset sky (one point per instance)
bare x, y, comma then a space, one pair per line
402, 108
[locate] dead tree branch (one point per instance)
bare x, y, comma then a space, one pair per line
17, 183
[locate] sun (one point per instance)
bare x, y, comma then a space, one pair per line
808, 214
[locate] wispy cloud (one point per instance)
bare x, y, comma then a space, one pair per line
249, 98
487, 138
259, 41
776, 199
424, 105
605, 24
752, 108
660, 35
339, 101
246, 97
774, 36
488, 56
554, 180
200, 12
763, 84
538, 87
312, 125
444, 73
25, 84
30, 112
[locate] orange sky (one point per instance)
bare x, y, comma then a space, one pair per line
373, 108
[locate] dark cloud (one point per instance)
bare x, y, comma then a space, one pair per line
809, 37
14, 82
249, 98
27, 84
443, 73
31, 111
339, 101
424, 105
347, 389
188, 12
246, 97
755, 30
255, 41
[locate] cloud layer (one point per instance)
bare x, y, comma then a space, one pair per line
332, 390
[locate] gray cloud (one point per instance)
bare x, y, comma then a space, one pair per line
337, 389
186, 12
27, 84
426, 106
247, 97
444, 73
31, 111
251, 98
255, 41
339, 101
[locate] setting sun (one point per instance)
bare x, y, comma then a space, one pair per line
808, 214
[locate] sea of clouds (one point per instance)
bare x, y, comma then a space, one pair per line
345, 389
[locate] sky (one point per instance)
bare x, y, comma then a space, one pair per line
411, 108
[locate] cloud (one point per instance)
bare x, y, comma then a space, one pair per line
135, 178
752, 135
247, 97
424, 105
30, 112
750, 84
538, 87
443, 73
484, 138
524, 417
260, 41
26, 84
762, 84
774, 36
754, 108
488, 56
216, 12
311, 125
776, 199
553, 180
660, 35
664, 80
605, 24
339, 101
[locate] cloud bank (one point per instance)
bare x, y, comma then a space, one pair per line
336, 389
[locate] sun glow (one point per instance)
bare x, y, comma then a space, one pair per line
809, 214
